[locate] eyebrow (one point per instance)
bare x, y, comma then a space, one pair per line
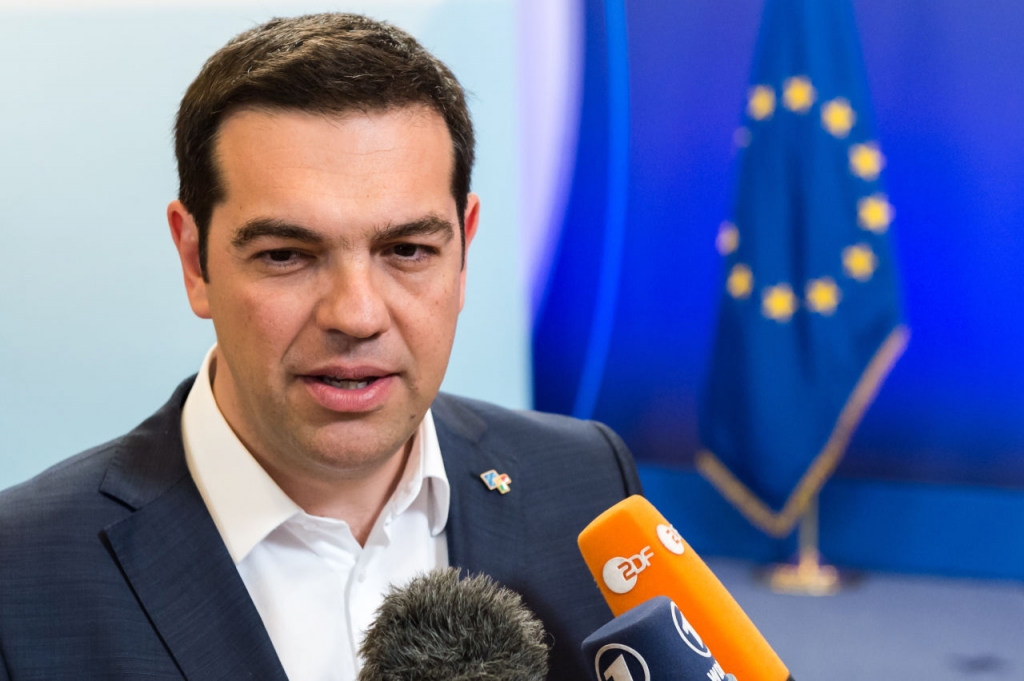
258, 228
426, 226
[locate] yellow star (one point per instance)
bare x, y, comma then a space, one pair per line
874, 213
728, 239
740, 282
866, 161
837, 117
823, 295
761, 102
778, 303
859, 262
798, 94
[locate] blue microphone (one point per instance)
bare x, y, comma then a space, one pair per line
651, 642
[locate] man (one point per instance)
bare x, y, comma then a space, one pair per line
250, 528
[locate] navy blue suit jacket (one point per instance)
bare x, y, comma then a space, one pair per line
112, 568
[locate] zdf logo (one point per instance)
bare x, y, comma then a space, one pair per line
620, 573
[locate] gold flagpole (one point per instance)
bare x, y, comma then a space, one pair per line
809, 577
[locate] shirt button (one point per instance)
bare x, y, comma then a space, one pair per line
361, 577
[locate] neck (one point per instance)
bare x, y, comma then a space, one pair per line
357, 500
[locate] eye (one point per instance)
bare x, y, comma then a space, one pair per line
413, 252
279, 257
406, 250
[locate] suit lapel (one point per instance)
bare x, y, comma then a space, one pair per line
482, 531
173, 557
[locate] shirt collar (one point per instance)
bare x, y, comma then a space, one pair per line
425, 467
245, 502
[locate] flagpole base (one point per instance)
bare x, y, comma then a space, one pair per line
808, 577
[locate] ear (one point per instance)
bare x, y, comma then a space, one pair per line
472, 220
186, 239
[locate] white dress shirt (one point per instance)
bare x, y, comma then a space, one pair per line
314, 586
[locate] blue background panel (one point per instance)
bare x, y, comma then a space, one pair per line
944, 79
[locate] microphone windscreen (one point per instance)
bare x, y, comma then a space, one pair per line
443, 628
635, 555
651, 641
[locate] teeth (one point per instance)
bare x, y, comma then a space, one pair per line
345, 384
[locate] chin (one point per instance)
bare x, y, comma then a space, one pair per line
345, 447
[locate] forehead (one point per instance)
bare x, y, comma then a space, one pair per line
371, 167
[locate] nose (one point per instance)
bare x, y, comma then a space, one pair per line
354, 302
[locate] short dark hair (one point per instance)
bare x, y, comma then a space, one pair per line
321, 63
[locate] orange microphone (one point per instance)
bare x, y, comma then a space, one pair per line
635, 555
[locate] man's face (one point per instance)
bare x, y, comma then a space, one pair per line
335, 281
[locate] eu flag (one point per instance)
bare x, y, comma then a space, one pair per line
810, 321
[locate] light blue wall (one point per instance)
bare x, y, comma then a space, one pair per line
95, 330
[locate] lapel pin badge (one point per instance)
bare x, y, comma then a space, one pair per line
495, 480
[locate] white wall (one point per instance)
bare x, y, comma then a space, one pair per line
95, 331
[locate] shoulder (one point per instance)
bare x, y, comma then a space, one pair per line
484, 419
58, 493
548, 444
496, 416
85, 492
51, 539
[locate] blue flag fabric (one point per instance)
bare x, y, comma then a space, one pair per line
810, 323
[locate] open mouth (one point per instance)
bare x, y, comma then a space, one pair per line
347, 384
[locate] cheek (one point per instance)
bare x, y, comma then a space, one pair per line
428, 320
258, 321
444, 317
